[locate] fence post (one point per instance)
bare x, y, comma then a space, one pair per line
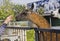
36, 34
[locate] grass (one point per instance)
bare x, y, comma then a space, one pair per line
30, 35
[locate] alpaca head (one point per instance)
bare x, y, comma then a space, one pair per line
23, 15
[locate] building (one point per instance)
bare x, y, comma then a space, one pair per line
48, 5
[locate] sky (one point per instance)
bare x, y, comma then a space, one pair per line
19, 1
26, 1
23, 1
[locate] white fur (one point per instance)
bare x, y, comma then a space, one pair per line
56, 14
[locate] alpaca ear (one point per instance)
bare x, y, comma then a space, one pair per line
32, 6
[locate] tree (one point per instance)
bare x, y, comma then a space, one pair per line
10, 9
6, 10
40, 10
18, 8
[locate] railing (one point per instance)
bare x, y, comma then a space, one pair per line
16, 36
51, 30
25, 29
40, 30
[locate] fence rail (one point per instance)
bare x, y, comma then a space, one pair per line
41, 30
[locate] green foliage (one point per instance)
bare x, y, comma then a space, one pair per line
30, 35
9, 9
6, 10
18, 8
41, 10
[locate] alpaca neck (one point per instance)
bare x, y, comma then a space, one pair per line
39, 20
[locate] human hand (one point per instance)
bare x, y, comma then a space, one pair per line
8, 19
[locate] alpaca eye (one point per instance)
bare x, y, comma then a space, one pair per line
25, 13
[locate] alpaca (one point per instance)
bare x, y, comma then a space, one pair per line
39, 20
